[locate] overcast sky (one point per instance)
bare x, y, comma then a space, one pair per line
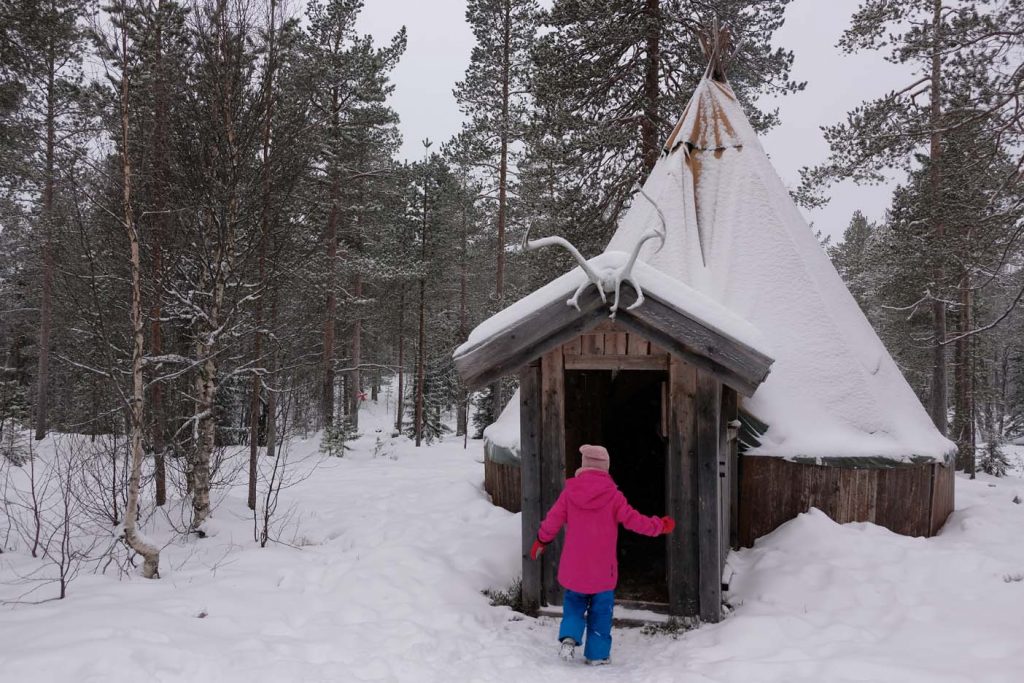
440, 42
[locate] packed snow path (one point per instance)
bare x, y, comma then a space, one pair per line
394, 551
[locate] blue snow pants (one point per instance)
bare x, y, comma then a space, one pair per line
590, 612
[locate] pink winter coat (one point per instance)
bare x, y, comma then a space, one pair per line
593, 507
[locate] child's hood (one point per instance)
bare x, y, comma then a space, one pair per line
591, 490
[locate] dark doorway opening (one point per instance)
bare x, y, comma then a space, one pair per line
623, 411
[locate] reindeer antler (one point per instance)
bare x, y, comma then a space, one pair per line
592, 277
608, 280
626, 273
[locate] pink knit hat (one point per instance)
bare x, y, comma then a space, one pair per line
595, 458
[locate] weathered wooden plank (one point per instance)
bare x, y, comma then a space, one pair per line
502, 483
530, 446
677, 348
726, 459
682, 334
903, 499
606, 326
655, 350
943, 490
773, 491
593, 344
636, 345
707, 415
548, 328
615, 343
681, 491
573, 347
607, 362
552, 461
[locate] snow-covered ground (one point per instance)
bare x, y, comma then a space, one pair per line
392, 550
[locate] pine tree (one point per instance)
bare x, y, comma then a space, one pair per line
349, 83
612, 77
851, 257
493, 96
51, 45
955, 48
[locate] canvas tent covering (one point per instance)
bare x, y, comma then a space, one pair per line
738, 255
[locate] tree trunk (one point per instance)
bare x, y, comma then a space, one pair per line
46, 298
462, 414
420, 362
401, 362
506, 75
257, 379
160, 186
355, 374
223, 254
651, 140
149, 552
421, 345
272, 393
938, 399
327, 409
1004, 370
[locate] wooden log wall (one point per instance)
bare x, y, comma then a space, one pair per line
943, 485
913, 500
504, 484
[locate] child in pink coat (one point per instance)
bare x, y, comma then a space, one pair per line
592, 507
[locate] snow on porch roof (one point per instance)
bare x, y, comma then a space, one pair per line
674, 315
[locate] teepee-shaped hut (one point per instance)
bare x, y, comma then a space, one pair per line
746, 387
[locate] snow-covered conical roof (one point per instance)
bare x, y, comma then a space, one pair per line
734, 234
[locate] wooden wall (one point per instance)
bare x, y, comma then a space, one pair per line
609, 346
943, 485
913, 500
503, 483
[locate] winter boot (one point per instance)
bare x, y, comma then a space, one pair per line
599, 662
568, 649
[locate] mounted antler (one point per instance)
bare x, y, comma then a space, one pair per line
612, 279
626, 273
532, 245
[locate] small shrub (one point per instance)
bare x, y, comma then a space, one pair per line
510, 597
674, 627
993, 459
336, 438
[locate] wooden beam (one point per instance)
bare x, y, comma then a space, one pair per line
636, 345
552, 462
590, 362
730, 413
615, 343
681, 490
708, 414
530, 446
548, 328
726, 473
